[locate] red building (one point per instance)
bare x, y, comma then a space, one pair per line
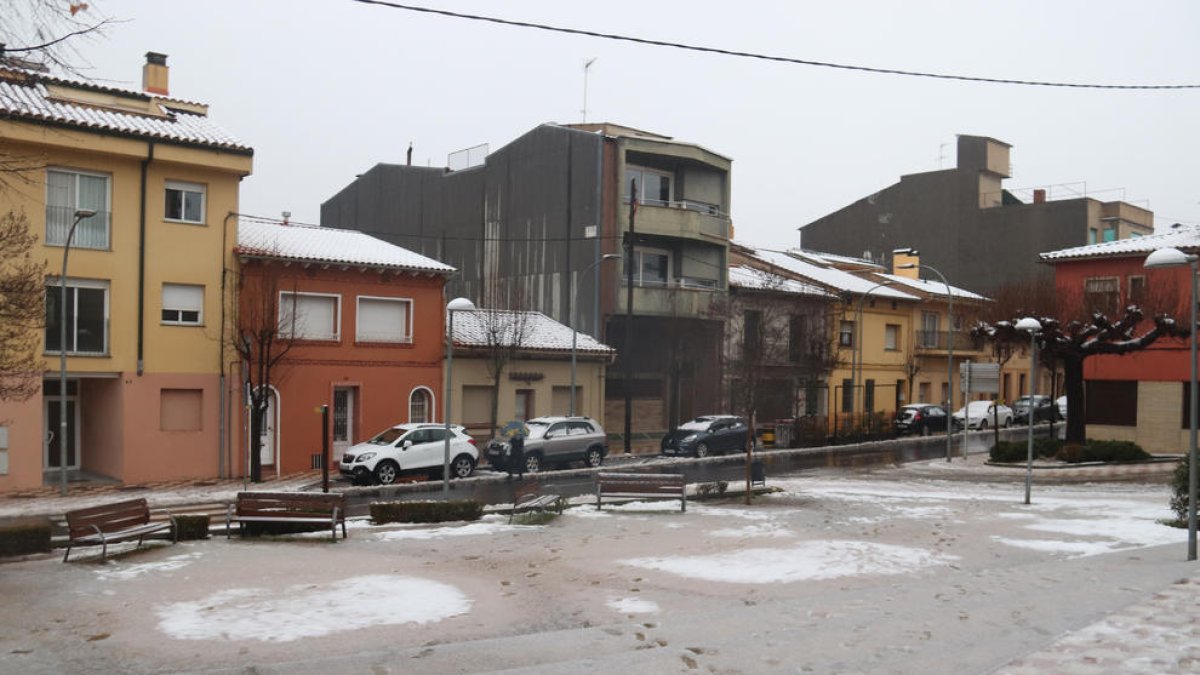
1141, 396
361, 324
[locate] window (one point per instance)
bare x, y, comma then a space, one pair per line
1093, 235
1102, 294
182, 304
184, 202
1137, 290
846, 334
307, 316
384, 320
87, 317
180, 410
654, 185
891, 337
1110, 233
923, 392
751, 336
929, 335
1111, 402
797, 334
812, 401
869, 395
847, 395
68, 192
650, 266
419, 406
524, 404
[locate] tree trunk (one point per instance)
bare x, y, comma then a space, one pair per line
258, 411
1073, 386
495, 404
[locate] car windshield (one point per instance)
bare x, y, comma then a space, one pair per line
977, 407
698, 424
537, 429
387, 437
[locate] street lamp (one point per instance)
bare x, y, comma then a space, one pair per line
949, 360
856, 353
455, 305
80, 214
1173, 257
575, 318
1034, 327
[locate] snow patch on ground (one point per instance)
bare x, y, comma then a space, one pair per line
117, 571
811, 560
763, 530
273, 615
633, 605
488, 525
1074, 548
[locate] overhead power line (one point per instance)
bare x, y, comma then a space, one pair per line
768, 57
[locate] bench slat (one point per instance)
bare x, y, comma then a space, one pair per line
641, 486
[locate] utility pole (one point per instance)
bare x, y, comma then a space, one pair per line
626, 348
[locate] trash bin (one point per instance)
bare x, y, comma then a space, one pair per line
758, 473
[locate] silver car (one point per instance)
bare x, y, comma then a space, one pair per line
552, 441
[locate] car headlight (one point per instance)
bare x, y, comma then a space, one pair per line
364, 457
690, 438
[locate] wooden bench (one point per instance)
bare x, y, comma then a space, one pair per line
529, 497
119, 521
287, 507
641, 486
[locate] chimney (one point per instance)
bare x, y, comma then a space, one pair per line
155, 74
1039, 196
906, 256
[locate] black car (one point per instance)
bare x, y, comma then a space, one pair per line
920, 418
1044, 410
707, 434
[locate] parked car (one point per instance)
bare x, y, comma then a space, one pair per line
1061, 402
984, 414
920, 418
409, 448
707, 434
1044, 409
554, 441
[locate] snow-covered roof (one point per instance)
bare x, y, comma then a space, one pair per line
747, 277
27, 95
829, 277
933, 287
258, 239
530, 331
821, 258
1184, 238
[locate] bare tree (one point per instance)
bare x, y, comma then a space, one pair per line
263, 337
503, 333
22, 309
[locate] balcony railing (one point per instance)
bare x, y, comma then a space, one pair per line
937, 340
90, 233
682, 218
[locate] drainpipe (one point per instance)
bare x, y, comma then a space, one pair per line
222, 403
141, 297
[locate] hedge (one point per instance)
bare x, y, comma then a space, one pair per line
425, 512
22, 536
1093, 451
191, 526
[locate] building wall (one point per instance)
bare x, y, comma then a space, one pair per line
22, 455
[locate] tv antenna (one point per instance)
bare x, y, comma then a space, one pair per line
587, 66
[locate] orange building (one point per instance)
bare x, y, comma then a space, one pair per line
360, 325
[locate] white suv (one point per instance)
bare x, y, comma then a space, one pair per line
409, 447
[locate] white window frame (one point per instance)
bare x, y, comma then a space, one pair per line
637, 171
407, 336
53, 286
430, 412
180, 321
891, 337
640, 252
184, 186
101, 214
285, 331
846, 331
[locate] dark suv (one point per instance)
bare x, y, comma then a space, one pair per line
553, 441
920, 418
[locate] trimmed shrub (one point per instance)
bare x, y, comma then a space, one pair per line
1071, 453
425, 512
1113, 451
1018, 451
191, 526
22, 536
1179, 489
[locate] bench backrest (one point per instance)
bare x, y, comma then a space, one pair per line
645, 483
108, 517
299, 504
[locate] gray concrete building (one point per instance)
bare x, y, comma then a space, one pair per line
528, 228
968, 226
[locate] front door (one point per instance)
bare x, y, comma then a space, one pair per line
343, 419
52, 426
267, 449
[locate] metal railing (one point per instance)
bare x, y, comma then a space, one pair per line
939, 339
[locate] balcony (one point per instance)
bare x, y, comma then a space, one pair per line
936, 340
686, 218
688, 298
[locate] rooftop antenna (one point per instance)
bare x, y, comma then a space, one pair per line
942, 154
587, 66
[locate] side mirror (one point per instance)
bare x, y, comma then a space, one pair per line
407, 444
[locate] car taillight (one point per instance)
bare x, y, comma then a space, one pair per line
916, 417
470, 440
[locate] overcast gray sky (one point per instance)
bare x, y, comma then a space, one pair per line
324, 90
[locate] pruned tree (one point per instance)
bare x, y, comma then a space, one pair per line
1071, 344
503, 333
22, 309
264, 335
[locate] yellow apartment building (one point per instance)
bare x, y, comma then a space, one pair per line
150, 185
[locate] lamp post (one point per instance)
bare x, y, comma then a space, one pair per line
575, 317
455, 305
1173, 257
856, 353
949, 361
80, 214
1034, 327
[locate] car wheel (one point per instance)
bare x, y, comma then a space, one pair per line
983, 425
533, 463
1007, 423
701, 450
593, 458
386, 472
462, 466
